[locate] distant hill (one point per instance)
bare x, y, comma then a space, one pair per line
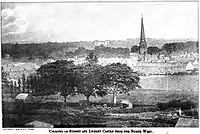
180, 47
70, 49
150, 42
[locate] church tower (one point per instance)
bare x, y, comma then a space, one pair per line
142, 43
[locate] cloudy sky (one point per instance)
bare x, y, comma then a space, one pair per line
41, 22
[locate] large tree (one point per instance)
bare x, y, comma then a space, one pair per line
56, 77
135, 49
88, 79
92, 57
118, 78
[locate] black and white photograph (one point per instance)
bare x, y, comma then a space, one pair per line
100, 64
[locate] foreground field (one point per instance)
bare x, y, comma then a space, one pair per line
64, 115
145, 113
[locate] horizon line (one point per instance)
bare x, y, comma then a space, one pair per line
22, 42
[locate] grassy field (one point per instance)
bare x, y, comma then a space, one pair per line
137, 97
59, 114
51, 109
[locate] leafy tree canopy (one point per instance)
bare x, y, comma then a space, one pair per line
119, 78
89, 79
135, 49
58, 76
153, 50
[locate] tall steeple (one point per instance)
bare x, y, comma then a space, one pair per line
142, 35
142, 44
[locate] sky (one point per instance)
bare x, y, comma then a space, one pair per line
64, 22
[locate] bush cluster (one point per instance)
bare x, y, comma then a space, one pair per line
184, 105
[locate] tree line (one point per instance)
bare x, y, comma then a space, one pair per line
102, 51
22, 85
50, 49
189, 46
150, 50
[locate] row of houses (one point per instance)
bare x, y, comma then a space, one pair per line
148, 67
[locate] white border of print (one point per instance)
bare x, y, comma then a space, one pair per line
103, 130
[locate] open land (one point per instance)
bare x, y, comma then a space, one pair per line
145, 113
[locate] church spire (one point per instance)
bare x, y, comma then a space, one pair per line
142, 35
142, 44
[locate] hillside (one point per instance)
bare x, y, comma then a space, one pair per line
190, 46
70, 49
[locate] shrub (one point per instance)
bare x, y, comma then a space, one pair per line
184, 105
162, 106
191, 112
187, 105
174, 104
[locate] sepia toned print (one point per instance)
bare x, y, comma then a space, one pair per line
100, 64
